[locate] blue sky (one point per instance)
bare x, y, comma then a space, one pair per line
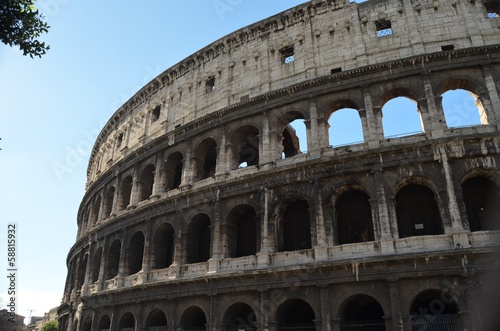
52, 109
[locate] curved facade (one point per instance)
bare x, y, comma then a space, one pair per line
206, 210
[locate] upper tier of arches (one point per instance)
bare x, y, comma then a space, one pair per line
274, 57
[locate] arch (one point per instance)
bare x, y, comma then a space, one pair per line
193, 319
87, 324
295, 227
401, 117
147, 182
354, 217
163, 246
127, 322
156, 321
463, 108
198, 241
96, 265
173, 171
482, 203
135, 253
125, 192
295, 314
113, 259
82, 268
361, 312
434, 308
417, 211
240, 317
104, 323
205, 157
243, 232
244, 147
345, 127
108, 201
293, 133
95, 210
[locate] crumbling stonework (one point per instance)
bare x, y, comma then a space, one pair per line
202, 213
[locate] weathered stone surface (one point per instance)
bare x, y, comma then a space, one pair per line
193, 217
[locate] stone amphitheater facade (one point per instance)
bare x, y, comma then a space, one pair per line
202, 213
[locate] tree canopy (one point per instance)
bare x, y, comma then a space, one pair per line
21, 24
51, 325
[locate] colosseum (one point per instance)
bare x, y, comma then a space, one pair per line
206, 209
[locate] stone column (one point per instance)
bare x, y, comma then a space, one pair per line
267, 234
136, 183
321, 248
88, 268
325, 308
456, 222
222, 162
188, 169
313, 140
158, 183
397, 317
116, 195
213, 262
384, 220
373, 132
265, 146
435, 124
493, 95
265, 308
146, 261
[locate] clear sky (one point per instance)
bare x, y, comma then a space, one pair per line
52, 109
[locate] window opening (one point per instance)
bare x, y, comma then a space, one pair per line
384, 28
163, 247
240, 316
462, 108
155, 114
447, 47
296, 226
354, 218
296, 314
287, 55
113, 259
210, 84
135, 253
492, 8
417, 212
119, 140
401, 118
482, 203
345, 128
363, 313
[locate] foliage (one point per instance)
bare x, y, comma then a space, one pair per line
51, 325
21, 24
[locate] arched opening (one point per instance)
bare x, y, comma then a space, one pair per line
163, 247
295, 314
345, 128
156, 321
401, 117
354, 217
463, 108
205, 159
95, 211
362, 312
243, 231
193, 319
147, 182
199, 239
96, 265
293, 134
81, 272
245, 147
482, 202
108, 202
104, 323
127, 322
296, 226
87, 325
135, 253
435, 310
173, 171
113, 259
417, 212
125, 192
240, 317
